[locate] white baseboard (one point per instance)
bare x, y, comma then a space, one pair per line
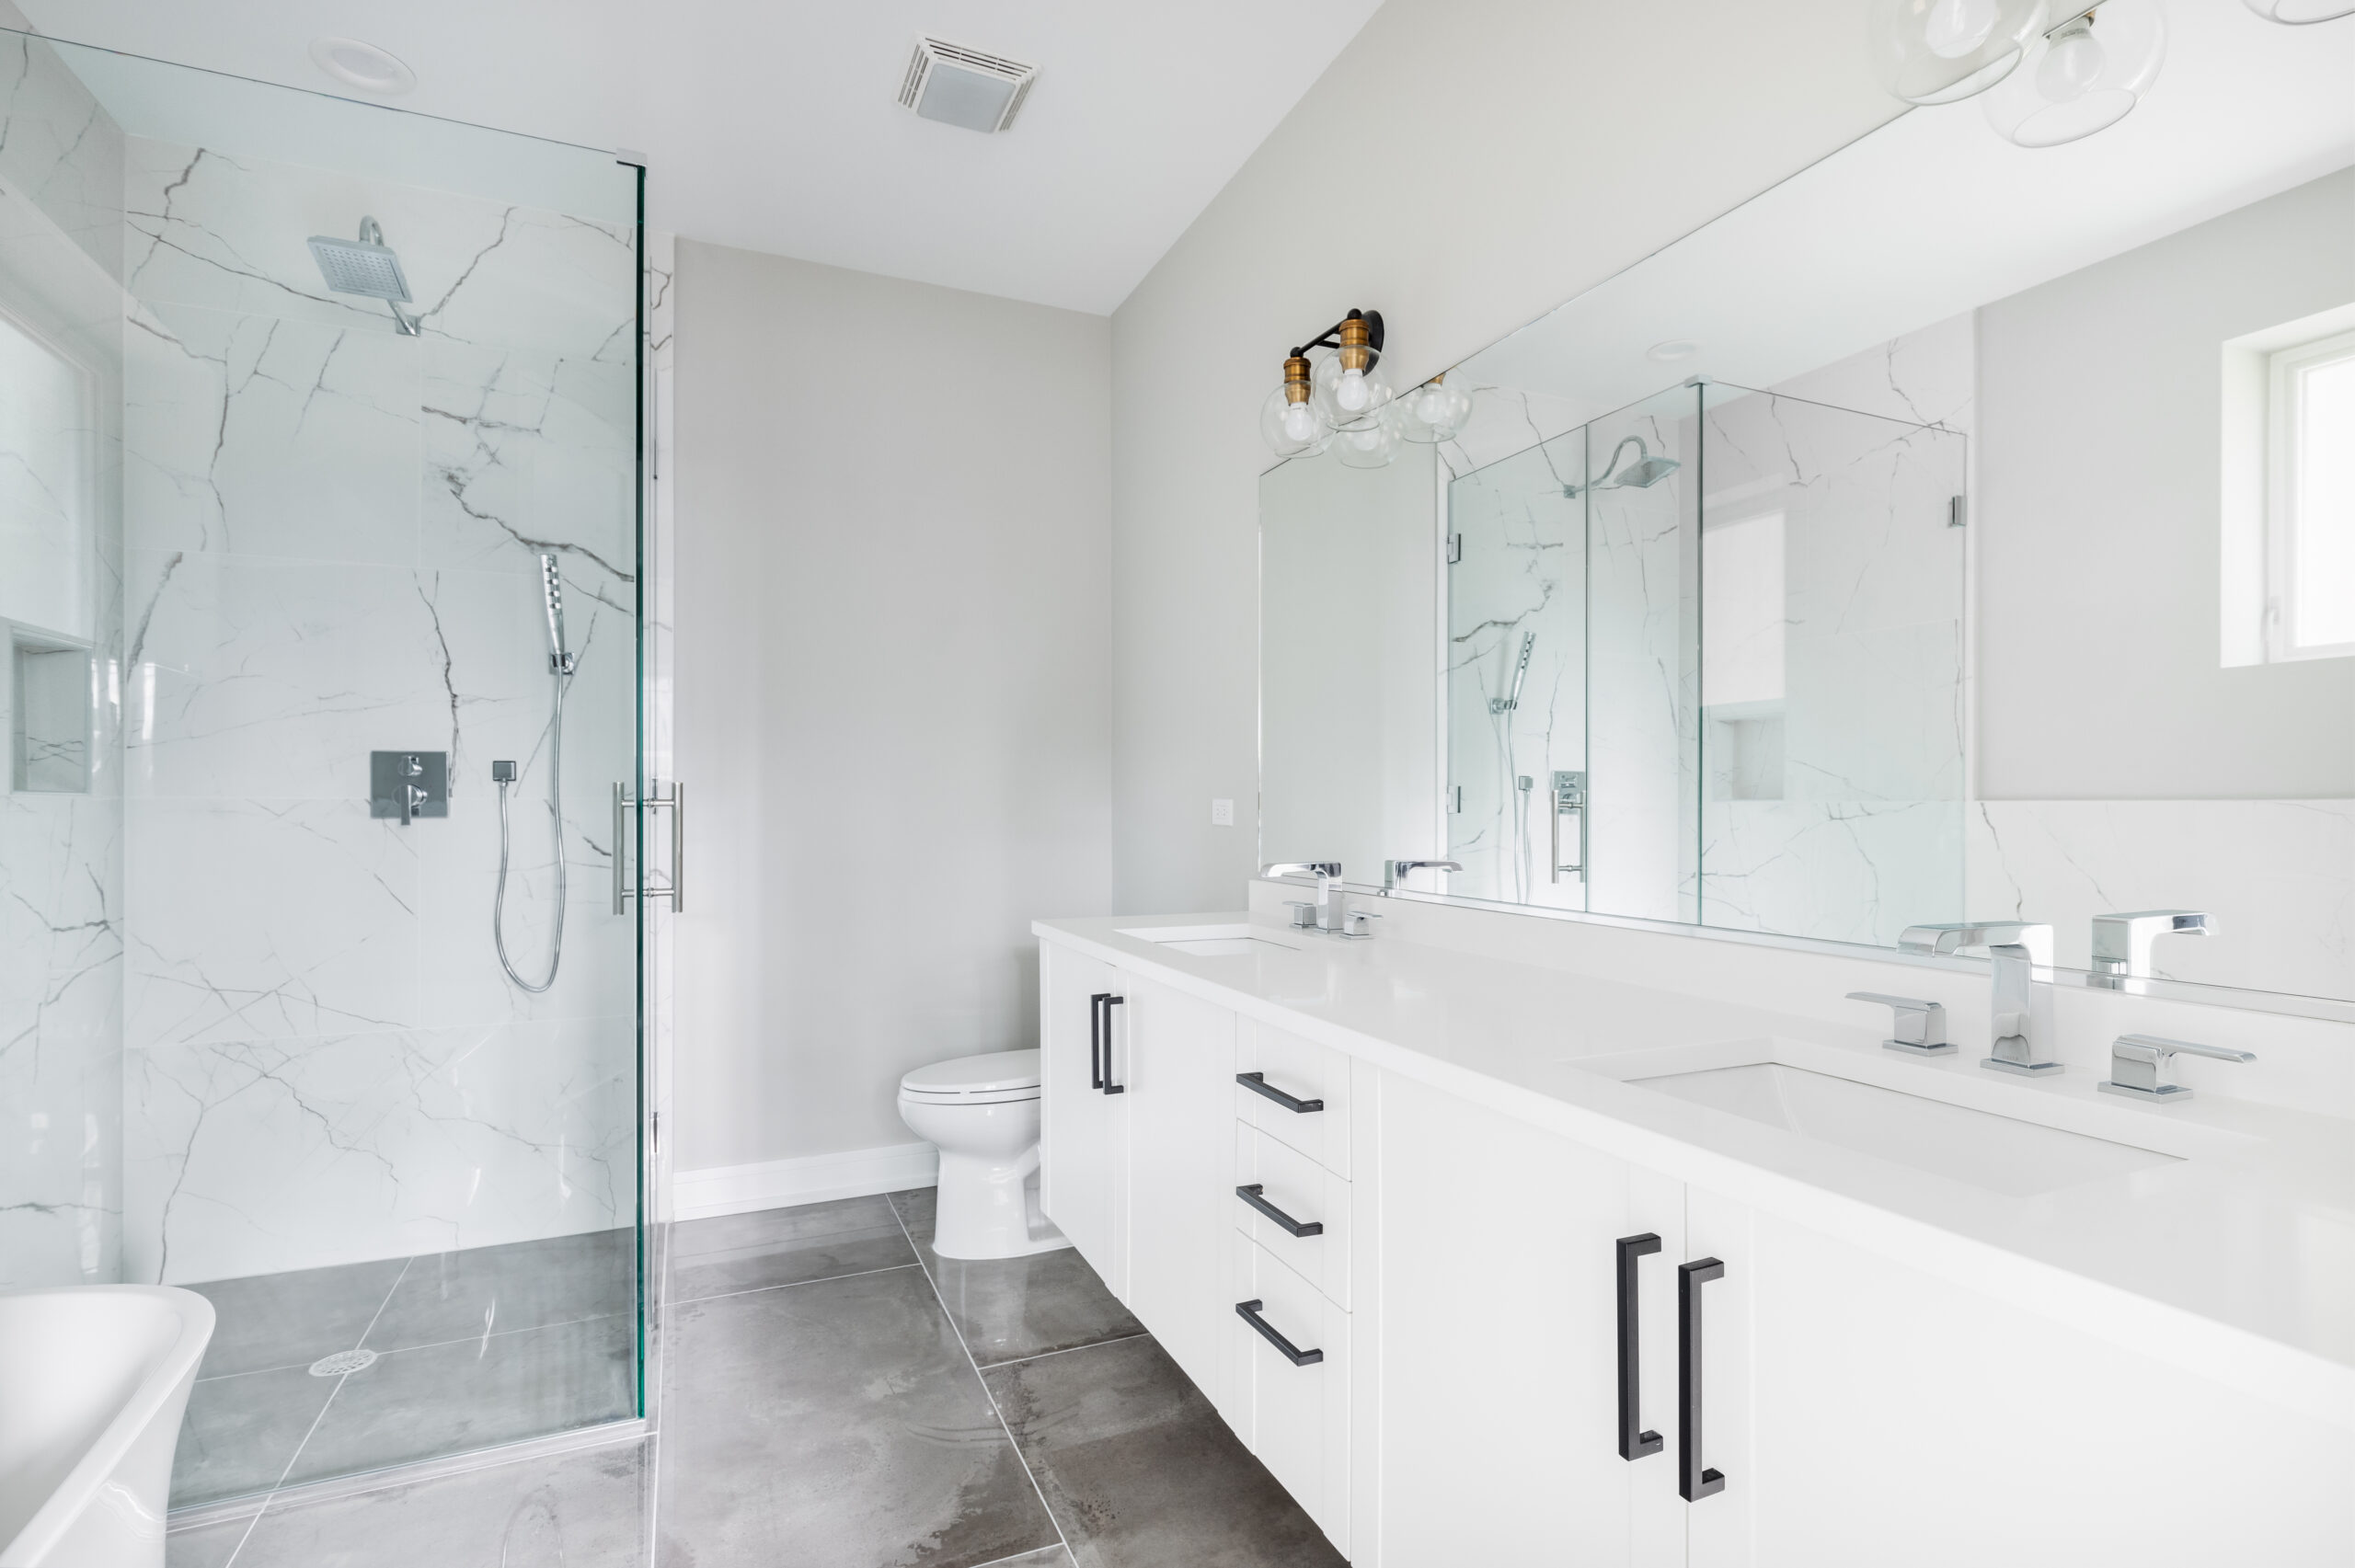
815, 1178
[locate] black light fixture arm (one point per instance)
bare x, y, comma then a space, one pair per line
1331, 336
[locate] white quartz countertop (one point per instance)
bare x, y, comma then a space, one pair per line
2234, 1261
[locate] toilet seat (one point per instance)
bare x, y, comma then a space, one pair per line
992, 1079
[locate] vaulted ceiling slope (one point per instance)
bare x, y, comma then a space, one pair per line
774, 126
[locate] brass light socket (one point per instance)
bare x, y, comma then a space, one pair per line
1296, 379
1356, 353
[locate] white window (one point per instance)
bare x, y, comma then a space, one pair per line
2310, 499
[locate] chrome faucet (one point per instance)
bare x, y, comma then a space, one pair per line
2122, 943
2020, 1019
1395, 871
1329, 913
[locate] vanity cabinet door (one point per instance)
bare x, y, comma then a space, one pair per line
1496, 1325
1083, 1141
1178, 1062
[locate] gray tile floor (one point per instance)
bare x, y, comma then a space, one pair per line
474, 1348
838, 1396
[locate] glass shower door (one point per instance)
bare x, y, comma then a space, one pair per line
362, 675
1516, 670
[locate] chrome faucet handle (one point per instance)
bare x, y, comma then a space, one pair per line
1394, 871
2138, 1066
1304, 913
1920, 1027
1355, 924
2033, 936
2121, 944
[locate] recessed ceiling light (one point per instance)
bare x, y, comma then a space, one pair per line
362, 65
1676, 349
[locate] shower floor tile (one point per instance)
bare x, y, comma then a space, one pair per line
523, 1285
242, 1431
784, 1246
1011, 1308
292, 1319
473, 1393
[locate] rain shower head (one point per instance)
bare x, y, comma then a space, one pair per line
1641, 475
367, 267
1645, 472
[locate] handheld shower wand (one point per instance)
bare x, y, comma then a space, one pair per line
560, 664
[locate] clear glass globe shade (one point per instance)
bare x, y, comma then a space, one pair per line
1434, 412
1371, 445
1957, 27
1928, 52
2301, 13
2082, 80
1291, 429
1326, 382
2073, 64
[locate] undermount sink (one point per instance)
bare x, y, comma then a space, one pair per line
1236, 940
1828, 1095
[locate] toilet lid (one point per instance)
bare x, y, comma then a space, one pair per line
991, 1074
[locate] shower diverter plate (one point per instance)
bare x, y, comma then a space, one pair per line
1235, 941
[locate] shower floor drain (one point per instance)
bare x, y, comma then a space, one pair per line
343, 1361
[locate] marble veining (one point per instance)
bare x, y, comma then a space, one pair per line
334, 542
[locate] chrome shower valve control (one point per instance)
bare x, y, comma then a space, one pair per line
1920, 1027
408, 785
2138, 1066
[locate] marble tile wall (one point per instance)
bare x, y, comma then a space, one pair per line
61, 848
2278, 875
1859, 831
333, 535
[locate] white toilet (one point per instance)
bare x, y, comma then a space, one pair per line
982, 1113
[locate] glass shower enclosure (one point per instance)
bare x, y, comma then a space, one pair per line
320, 579
1703, 663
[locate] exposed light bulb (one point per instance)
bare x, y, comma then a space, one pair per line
1350, 391
1957, 27
1300, 423
2073, 64
1432, 404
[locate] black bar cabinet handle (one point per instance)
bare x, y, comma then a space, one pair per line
1111, 1001
1634, 1443
1249, 1312
1250, 1195
1693, 1482
1096, 1038
1257, 1083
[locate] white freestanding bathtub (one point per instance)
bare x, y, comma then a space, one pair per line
93, 1382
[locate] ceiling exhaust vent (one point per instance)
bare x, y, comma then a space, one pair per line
958, 85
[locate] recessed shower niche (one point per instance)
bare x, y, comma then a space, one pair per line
49, 716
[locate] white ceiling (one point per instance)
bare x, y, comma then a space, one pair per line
774, 126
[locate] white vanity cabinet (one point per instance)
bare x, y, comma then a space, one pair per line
1500, 1343
1082, 1130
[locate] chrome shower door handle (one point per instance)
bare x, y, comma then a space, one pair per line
676, 803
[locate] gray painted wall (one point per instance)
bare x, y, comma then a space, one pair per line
894, 707
2100, 410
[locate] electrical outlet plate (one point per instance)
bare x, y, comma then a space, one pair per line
1222, 814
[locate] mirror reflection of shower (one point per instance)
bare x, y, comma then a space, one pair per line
369, 268
502, 773
1504, 709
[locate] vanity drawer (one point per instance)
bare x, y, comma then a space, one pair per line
1305, 1191
1295, 1417
1300, 1070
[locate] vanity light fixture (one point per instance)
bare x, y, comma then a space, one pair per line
363, 65
1433, 411
1929, 52
1342, 390
2084, 75
2302, 13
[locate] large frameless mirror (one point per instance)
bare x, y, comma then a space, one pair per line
1954, 532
